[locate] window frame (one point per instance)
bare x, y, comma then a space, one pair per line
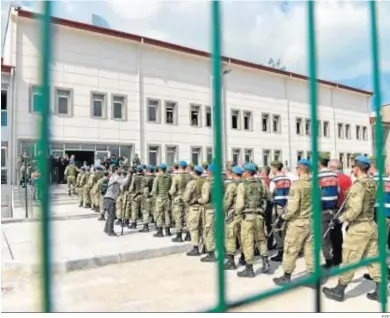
307, 131
239, 160
207, 154
158, 110
176, 156
280, 154
70, 101
364, 133
244, 112
199, 106
32, 89
232, 111
175, 112
104, 105
302, 152
326, 128
124, 107
268, 126
343, 130
347, 136
264, 150
158, 156
200, 159
299, 119
206, 108
279, 125
252, 154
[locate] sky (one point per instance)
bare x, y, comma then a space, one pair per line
252, 30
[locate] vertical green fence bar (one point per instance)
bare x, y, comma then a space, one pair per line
314, 147
217, 130
379, 154
44, 109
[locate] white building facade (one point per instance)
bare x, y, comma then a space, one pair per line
122, 93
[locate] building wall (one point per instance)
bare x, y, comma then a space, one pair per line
84, 62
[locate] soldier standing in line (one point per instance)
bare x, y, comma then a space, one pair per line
78, 179
361, 239
279, 189
122, 208
136, 190
191, 195
96, 189
179, 183
70, 175
299, 232
250, 204
233, 220
102, 186
153, 195
147, 206
163, 202
83, 182
87, 188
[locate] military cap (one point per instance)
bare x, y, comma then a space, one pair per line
183, 164
363, 159
140, 168
324, 155
304, 162
237, 170
163, 166
250, 167
144, 166
277, 164
211, 167
198, 169
150, 167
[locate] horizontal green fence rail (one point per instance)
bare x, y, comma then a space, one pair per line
222, 303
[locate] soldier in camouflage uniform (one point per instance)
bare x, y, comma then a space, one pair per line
250, 204
81, 173
96, 190
179, 184
102, 183
83, 181
136, 190
361, 239
70, 175
191, 195
147, 206
122, 202
299, 216
233, 220
163, 201
87, 188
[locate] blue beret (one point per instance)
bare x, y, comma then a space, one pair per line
250, 167
150, 167
238, 170
304, 162
211, 168
198, 169
140, 168
183, 164
163, 166
363, 159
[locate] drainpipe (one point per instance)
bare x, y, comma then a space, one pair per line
143, 154
289, 121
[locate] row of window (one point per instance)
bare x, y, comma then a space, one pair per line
344, 132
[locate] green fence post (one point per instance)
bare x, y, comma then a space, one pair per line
25, 185
379, 155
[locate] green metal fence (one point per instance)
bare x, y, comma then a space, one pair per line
222, 304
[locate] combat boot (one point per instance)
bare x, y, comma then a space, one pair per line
144, 229
118, 222
178, 238
69, 192
80, 205
282, 280
133, 225
159, 232
230, 265
375, 295
242, 261
194, 251
278, 257
203, 250
88, 206
168, 231
256, 251
102, 218
188, 237
247, 272
209, 258
337, 293
266, 266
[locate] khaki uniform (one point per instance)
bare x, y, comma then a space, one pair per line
153, 195
191, 196
70, 174
87, 189
163, 202
123, 198
208, 216
233, 220
148, 206
96, 192
299, 233
77, 189
99, 196
83, 181
135, 191
361, 239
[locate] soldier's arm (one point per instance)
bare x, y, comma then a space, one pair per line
154, 188
174, 185
354, 204
228, 197
188, 191
205, 196
66, 170
132, 185
293, 203
240, 198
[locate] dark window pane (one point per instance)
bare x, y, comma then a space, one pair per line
118, 110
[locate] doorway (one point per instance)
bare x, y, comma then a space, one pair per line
81, 156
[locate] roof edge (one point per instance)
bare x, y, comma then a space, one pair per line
184, 49
5, 68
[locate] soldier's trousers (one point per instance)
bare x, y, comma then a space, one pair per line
326, 243
298, 235
118, 206
110, 205
101, 205
232, 232
178, 213
279, 234
136, 204
147, 210
96, 198
360, 241
87, 195
253, 228
81, 195
162, 216
71, 181
91, 195
194, 224
209, 229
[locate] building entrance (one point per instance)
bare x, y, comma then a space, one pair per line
81, 156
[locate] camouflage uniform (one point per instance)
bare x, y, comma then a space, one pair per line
136, 191
70, 174
99, 184
87, 190
83, 181
147, 206
122, 206
77, 189
96, 190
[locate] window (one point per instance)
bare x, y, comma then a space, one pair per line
298, 124
153, 111
340, 130
170, 113
247, 121
248, 155
3, 99
299, 155
62, 101
171, 155
118, 107
195, 116
349, 159
341, 158
153, 155
209, 154
326, 129
308, 155
277, 155
364, 130
348, 131
266, 157
98, 105
358, 135
235, 119
276, 124
265, 122
3, 157
236, 156
35, 99
196, 155
209, 122
307, 127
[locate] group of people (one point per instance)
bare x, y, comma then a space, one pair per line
257, 210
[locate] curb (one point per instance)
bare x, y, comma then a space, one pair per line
54, 218
97, 261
